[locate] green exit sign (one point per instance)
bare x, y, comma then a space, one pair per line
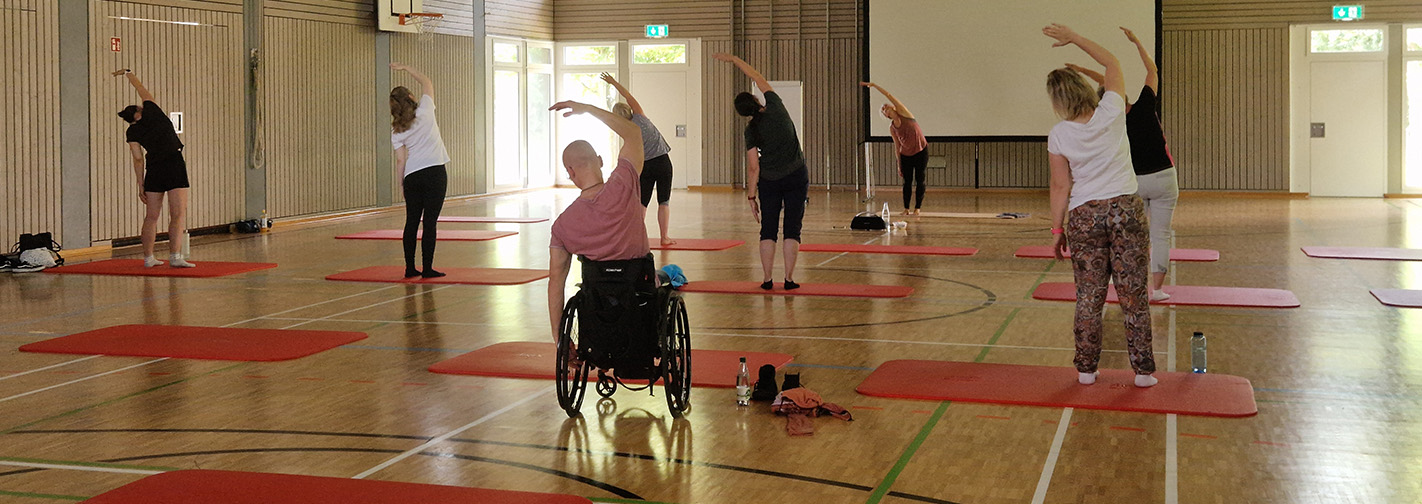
1347, 12
657, 31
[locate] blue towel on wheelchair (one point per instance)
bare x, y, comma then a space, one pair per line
674, 275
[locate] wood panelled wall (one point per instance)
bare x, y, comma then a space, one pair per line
1226, 102
625, 19
449, 63
197, 70
317, 82
29, 149
531, 19
352, 12
1234, 14
458, 16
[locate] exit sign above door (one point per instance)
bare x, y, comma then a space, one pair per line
1347, 12
657, 31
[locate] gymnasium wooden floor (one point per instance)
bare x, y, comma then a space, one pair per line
1338, 381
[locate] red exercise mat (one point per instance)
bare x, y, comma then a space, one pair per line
185, 342
1186, 295
461, 276
528, 359
1204, 394
507, 220
1374, 253
1399, 297
887, 249
204, 486
1177, 255
695, 244
134, 267
809, 289
444, 235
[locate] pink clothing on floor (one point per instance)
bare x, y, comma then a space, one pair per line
608, 226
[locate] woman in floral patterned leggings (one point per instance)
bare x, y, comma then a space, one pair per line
1093, 182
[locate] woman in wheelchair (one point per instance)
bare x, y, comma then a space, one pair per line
621, 320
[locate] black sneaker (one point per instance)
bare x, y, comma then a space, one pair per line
6, 264
25, 267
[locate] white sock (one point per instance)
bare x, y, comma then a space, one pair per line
1145, 380
150, 261
1087, 378
177, 261
1159, 295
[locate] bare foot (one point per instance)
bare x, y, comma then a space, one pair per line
667, 241
907, 212
917, 211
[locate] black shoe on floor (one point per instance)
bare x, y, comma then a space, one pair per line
765, 386
411, 272
791, 285
792, 381
431, 273
767, 285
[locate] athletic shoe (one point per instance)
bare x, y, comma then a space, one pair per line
25, 267
177, 261
1159, 295
6, 264
791, 285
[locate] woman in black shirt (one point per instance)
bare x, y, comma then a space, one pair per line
160, 170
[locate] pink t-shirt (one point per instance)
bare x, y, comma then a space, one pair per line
909, 137
608, 227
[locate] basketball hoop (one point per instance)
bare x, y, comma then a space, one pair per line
423, 23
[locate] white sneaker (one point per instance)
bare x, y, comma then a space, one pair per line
150, 261
1087, 378
27, 267
1159, 295
1145, 380
177, 261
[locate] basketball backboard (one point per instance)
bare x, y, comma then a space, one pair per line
388, 13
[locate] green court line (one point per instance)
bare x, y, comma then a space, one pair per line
1040, 279
889, 479
43, 496
1000, 329
120, 398
87, 464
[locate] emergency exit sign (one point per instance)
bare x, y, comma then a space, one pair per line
1347, 12
657, 31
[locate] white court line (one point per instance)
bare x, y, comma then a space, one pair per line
1051, 465
372, 305
310, 305
446, 436
120, 470
52, 387
842, 254
62, 364
1172, 422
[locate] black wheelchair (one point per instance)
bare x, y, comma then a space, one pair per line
624, 319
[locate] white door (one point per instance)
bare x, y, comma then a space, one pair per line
665, 80
1347, 112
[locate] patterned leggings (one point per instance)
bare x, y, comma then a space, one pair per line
1109, 239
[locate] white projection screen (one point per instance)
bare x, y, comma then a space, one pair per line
979, 67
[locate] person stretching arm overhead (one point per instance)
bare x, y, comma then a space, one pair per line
161, 171
657, 171
911, 145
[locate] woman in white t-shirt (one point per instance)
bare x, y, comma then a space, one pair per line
420, 157
1094, 193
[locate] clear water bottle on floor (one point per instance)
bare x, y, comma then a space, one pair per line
1197, 352
885, 214
743, 391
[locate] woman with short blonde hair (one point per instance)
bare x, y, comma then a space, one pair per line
1095, 208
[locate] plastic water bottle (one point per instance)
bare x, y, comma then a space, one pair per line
187, 244
885, 214
266, 223
743, 391
1197, 352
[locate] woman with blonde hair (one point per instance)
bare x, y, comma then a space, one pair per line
1093, 192
657, 172
420, 157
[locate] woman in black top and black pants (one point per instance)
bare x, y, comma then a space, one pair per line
1154, 166
775, 169
160, 169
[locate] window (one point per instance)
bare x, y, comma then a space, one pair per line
505, 53
590, 55
1346, 41
540, 56
659, 54
1414, 39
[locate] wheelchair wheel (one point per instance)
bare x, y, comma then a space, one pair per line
675, 333
605, 385
572, 384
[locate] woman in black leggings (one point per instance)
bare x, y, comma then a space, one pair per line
775, 168
911, 145
420, 157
